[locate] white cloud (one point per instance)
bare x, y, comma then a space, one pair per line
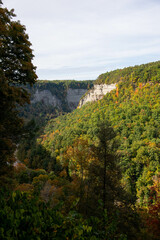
89, 35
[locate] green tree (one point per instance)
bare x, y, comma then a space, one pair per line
16, 68
106, 157
104, 173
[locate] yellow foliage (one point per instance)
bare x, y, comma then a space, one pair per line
25, 187
152, 144
40, 178
63, 173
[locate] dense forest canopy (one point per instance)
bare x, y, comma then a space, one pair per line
134, 114
93, 173
137, 74
70, 142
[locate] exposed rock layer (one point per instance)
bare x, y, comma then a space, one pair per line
46, 97
73, 97
96, 93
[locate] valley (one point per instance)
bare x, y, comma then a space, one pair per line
91, 151
80, 160
67, 147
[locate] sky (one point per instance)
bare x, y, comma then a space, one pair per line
81, 39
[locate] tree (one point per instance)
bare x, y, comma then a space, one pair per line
16, 70
104, 173
153, 217
106, 158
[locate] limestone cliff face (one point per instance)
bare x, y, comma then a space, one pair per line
46, 97
96, 93
73, 97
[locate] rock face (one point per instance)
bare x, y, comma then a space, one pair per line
74, 96
46, 97
97, 93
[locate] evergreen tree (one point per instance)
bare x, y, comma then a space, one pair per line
15, 68
104, 173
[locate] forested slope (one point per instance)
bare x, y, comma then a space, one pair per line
137, 74
133, 110
92, 174
103, 158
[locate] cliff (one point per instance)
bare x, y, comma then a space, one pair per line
46, 97
72, 98
51, 98
96, 93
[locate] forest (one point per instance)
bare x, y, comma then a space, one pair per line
93, 173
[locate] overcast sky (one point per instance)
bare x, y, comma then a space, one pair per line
80, 39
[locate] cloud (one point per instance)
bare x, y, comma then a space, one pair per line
89, 36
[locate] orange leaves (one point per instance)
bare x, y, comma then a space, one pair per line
117, 92
19, 166
25, 187
152, 144
136, 91
63, 173
140, 85
42, 138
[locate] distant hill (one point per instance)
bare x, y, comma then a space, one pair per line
132, 75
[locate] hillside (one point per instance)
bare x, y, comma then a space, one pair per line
79, 160
132, 75
133, 110
93, 173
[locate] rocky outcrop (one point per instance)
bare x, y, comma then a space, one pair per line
74, 96
96, 93
46, 97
